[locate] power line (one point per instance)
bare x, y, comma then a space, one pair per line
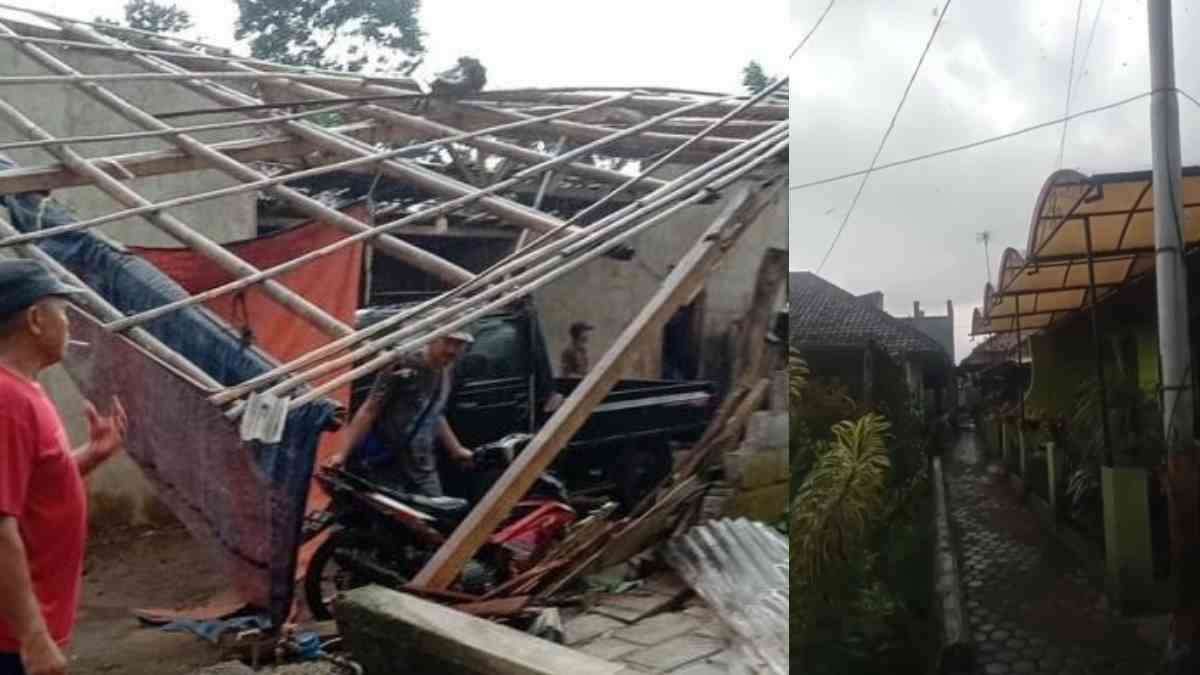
1088, 49
986, 141
812, 30
1062, 140
886, 134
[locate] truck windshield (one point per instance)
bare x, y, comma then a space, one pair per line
497, 352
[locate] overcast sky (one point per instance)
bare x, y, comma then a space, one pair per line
994, 67
526, 43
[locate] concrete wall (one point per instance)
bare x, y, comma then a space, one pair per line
119, 492
609, 293
64, 110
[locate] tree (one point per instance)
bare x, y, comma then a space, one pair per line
380, 35
754, 78
153, 16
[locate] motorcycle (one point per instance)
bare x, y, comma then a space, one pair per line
378, 535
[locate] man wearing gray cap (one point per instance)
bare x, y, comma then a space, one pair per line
396, 431
43, 503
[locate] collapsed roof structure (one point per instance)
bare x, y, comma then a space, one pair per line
231, 432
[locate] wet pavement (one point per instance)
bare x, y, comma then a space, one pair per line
1031, 609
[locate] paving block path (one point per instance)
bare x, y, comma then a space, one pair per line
1030, 606
647, 633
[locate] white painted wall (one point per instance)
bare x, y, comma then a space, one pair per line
609, 293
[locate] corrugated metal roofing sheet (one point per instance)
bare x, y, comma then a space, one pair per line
740, 568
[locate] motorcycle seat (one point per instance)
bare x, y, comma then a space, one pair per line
442, 508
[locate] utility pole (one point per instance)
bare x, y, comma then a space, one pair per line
1174, 344
985, 237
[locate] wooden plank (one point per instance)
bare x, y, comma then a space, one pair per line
496, 608
442, 595
519, 580
615, 549
682, 283
729, 428
772, 275
641, 533
389, 632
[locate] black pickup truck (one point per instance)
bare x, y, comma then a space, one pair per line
625, 444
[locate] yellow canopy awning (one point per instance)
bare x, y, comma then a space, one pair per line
1117, 211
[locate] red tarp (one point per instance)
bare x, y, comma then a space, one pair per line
331, 283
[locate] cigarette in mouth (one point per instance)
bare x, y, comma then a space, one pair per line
78, 343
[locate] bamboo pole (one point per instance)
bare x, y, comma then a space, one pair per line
47, 177
104, 311
430, 128
688, 276
725, 119
435, 130
662, 195
426, 179
540, 275
226, 54
580, 95
176, 228
452, 205
191, 55
649, 140
268, 182
103, 78
131, 135
404, 251
439, 184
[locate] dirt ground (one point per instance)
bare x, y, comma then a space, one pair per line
131, 568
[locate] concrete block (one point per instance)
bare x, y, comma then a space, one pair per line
749, 470
390, 632
767, 504
1130, 565
767, 429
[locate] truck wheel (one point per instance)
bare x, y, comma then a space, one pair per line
640, 469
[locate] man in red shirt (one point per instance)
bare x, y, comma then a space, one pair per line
43, 504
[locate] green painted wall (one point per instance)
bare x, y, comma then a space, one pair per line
1065, 356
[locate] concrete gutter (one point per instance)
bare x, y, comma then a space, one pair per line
956, 656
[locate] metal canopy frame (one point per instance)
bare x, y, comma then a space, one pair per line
1089, 237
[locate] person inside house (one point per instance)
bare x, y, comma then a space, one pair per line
43, 502
575, 356
395, 435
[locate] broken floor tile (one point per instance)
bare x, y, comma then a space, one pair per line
658, 629
609, 648
676, 652
588, 626
632, 605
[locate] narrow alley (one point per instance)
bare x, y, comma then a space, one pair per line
1031, 607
